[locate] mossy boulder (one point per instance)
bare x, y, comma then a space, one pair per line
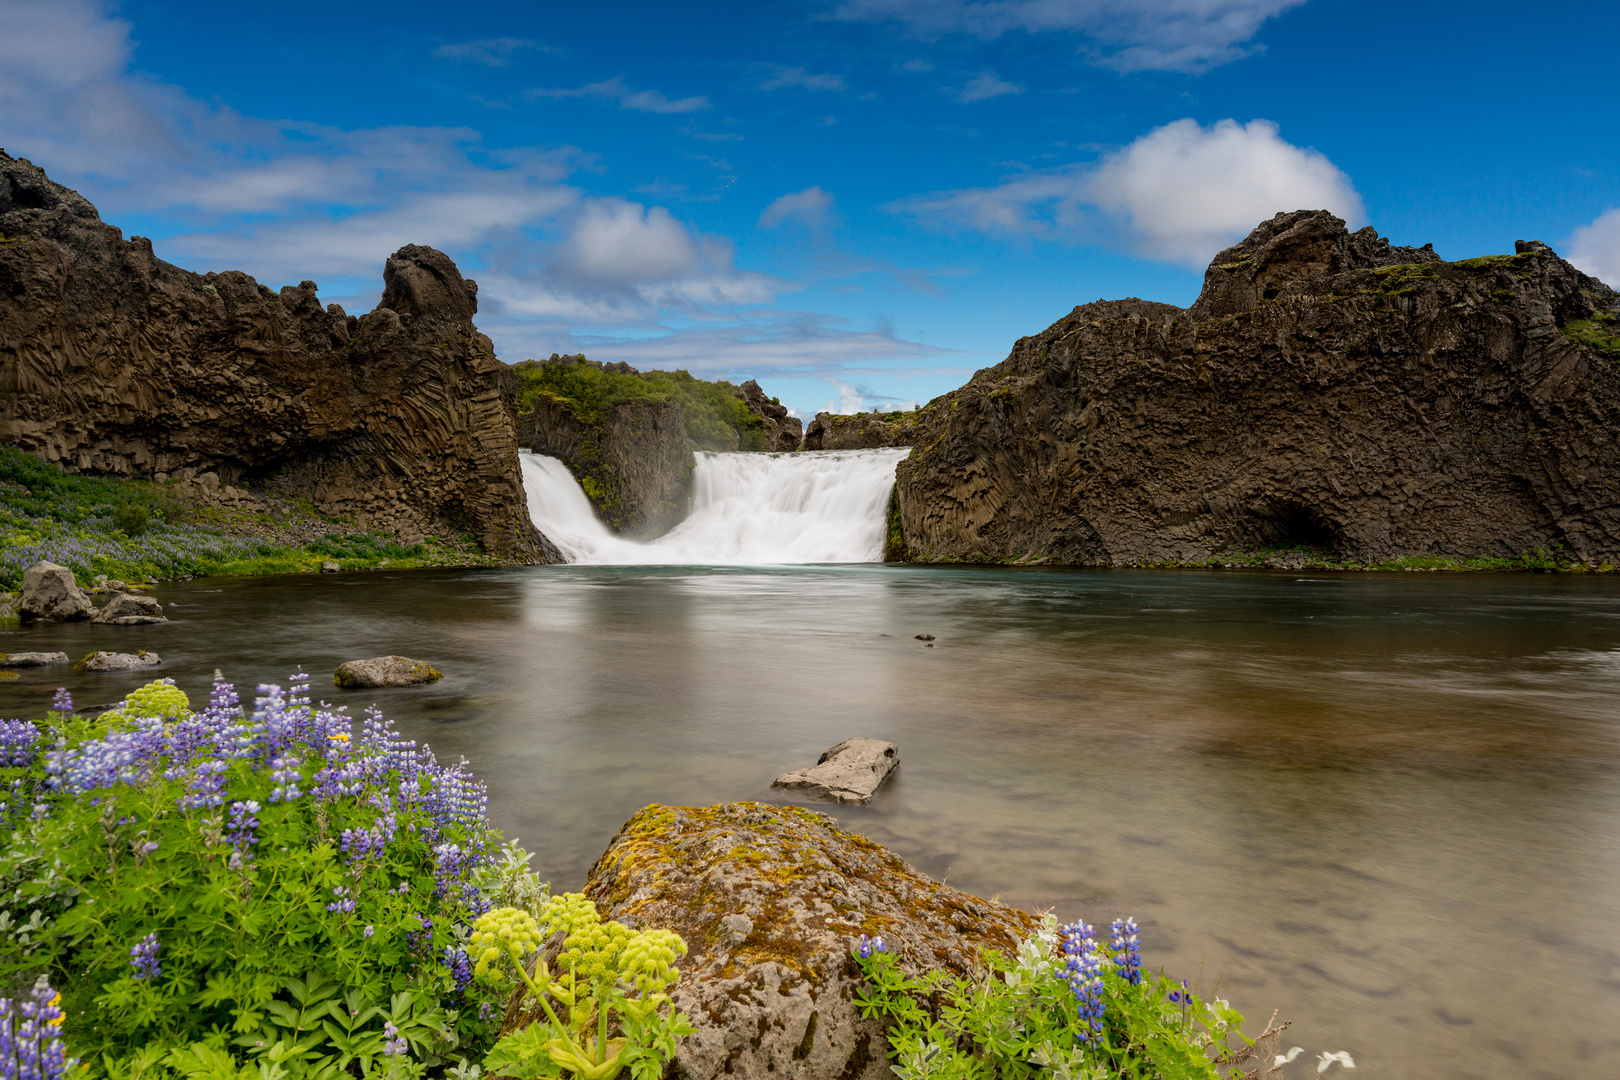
770, 901
385, 671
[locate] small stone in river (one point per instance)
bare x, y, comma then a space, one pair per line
925, 637
330, 567
850, 772
385, 671
32, 659
118, 661
127, 609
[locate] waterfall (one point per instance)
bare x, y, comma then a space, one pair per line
747, 510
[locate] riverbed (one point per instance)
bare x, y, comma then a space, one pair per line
1386, 805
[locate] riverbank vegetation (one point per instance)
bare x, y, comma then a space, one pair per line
139, 530
282, 892
716, 418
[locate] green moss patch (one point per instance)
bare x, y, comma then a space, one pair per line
1600, 333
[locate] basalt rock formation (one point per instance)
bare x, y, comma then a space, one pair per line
770, 901
782, 432
860, 431
113, 361
633, 461
1327, 391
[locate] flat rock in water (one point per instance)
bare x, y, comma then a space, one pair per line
119, 661
129, 610
330, 567
850, 772
32, 659
49, 592
386, 671
770, 901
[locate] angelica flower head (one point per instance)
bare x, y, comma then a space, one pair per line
500, 933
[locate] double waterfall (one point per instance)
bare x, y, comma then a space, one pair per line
747, 509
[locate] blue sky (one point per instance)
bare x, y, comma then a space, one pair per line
858, 202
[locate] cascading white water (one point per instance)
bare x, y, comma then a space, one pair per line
747, 509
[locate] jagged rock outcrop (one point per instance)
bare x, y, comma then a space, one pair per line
633, 460
113, 361
50, 593
770, 901
783, 433
1327, 390
860, 431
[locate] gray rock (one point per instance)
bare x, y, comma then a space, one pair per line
32, 659
385, 671
330, 567
49, 592
119, 661
849, 772
778, 1000
126, 609
6, 614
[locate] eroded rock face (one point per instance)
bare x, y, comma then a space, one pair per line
783, 433
385, 671
1328, 391
49, 592
770, 901
860, 431
125, 609
850, 772
115, 362
634, 461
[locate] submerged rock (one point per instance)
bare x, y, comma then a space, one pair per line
50, 593
32, 659
118, 661
770, 901
385, 671
126, 609
850, 772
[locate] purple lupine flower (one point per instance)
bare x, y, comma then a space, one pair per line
285, 773
31, 1036
1126, 945
143, 957
19, 743
460, 966
1083, 973
343, 902
369, 931
393, 1042
239, 829
63, 701
1182, 995
868, 946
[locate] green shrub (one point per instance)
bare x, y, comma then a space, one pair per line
131, 519
716, 419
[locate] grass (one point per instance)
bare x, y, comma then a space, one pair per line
716, 418
1600, 333
136, 530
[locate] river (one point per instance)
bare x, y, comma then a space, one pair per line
1387, 805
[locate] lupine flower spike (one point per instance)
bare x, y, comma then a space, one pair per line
143, 957
868, 946
31, 1036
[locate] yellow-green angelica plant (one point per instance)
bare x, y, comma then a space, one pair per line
602, 995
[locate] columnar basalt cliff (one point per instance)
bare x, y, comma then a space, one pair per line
1327, 391
113, 361
860, 431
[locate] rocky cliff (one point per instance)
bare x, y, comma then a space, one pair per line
1327, 391
113, 361
860, 431
783, 433
633, 460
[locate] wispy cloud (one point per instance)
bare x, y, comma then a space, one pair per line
491, 52
984, 86
614, 89
812, 208
783, 78
1128, 35
1179, 193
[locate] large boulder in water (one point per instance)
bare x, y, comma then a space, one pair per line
49, 592
385, 671
770, 901
128, 609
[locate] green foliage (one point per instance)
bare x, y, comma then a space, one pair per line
367, 547
603, 1001
131, 519
716, 418
1600, 333
1018, 1018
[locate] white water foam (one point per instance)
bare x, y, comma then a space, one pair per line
747, 510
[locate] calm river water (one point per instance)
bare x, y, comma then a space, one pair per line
1387, 805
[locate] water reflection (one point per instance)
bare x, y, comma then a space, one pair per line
1386, 805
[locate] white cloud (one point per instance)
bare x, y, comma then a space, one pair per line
1180, 193
614, 89
797, 77
493, 52
1595, 248
1128, 35
811, 207
984, 86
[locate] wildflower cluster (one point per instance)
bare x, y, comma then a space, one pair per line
597, 1005
31, 1036
1065, 1002
181, 870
